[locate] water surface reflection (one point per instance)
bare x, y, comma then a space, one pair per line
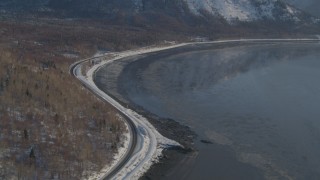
260, 101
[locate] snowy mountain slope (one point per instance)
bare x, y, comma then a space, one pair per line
229, 10
310, 6
246, 10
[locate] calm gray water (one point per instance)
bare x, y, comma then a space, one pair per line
259, 104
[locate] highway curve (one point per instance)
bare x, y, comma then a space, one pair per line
74, 70
153, 139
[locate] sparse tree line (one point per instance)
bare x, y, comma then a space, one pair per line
50, 126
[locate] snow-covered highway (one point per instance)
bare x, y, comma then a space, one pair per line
144, 144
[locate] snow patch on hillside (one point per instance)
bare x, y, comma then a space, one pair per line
242, 10
229, 9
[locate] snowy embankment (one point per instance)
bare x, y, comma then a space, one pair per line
150, 142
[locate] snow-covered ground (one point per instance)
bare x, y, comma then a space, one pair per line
150, 142
242, 10
122, 149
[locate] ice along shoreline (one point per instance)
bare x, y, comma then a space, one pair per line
151, 142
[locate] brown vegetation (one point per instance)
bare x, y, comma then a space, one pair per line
51, 127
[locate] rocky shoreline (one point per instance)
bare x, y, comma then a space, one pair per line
172, 156
174, 159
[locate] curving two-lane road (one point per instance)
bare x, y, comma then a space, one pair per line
75, 70
146, 143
